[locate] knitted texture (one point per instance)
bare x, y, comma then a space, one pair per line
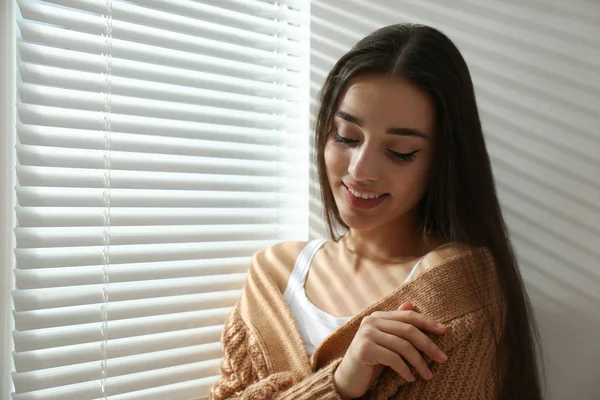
264, 357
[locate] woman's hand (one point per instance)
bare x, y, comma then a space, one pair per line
392, 339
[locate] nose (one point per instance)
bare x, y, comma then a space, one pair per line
364, 165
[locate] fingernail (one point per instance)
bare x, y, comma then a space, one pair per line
428, 374
442, 356
411, 378
441, 326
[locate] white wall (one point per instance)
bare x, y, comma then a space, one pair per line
536, 68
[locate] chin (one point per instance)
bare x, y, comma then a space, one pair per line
361, 223
369, 220
358, 220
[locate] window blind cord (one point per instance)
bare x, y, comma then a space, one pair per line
107, 36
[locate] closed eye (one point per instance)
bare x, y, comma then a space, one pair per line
398, 156
340, 139
404, 156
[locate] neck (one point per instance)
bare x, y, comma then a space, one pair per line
392, 243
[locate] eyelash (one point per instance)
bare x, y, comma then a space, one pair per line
398, 156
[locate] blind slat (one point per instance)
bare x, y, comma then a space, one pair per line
39, 299
43, 318
186, 14
77, 100
137, 161
91, 332
120, 235
92, 275
90, 255
33, 53
88, 178
80, 81
130, 216
269, 9
232, 147
127, 383
250, 15
92, 197
198, 388
130, 20
95, 44
85, 372
32, 360
60, 117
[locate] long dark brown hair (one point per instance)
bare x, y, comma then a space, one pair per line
460, 204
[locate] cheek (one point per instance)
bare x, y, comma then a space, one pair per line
336, 160
412, 182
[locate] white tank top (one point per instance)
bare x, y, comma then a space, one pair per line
314, 324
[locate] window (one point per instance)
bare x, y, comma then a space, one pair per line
159, 144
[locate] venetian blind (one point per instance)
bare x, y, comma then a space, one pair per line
160, 143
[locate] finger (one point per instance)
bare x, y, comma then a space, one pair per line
412, 334
407, 306
413, 318
406, 350
393, 360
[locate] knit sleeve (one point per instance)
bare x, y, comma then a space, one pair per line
244, 372
470, 373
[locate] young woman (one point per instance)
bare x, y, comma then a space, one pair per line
421, 298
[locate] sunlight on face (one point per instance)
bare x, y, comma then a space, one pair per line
380, 145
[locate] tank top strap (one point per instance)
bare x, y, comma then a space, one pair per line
302, 265
412, 271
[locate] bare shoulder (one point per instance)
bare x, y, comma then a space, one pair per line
279, 260
438, 256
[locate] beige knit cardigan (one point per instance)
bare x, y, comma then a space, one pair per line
264, 356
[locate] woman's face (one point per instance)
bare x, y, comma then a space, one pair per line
378, 151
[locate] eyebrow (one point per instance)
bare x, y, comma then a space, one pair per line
394, 131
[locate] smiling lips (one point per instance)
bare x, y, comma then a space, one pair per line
363, 201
